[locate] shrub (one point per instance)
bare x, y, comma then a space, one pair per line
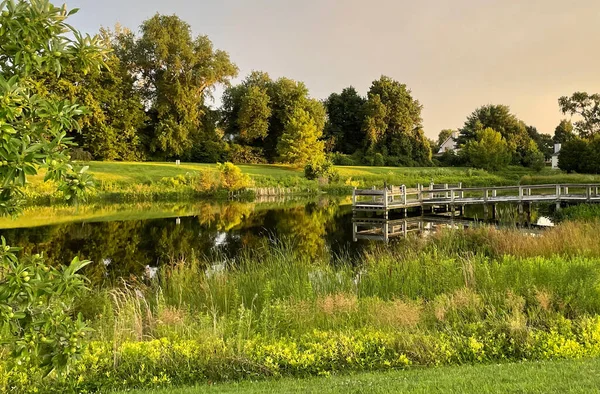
341, 159
232, 178
378, 160
323, 169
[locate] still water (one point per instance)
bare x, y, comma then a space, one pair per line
127, 239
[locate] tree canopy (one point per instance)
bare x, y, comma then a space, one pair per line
175, 73
257, 112
587, 106
488, 150
345, 120
500, 119
393, 124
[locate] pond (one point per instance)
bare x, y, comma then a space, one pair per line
127, 238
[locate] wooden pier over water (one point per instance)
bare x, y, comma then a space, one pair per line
444, 195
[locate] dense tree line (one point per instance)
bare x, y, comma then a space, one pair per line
150, 102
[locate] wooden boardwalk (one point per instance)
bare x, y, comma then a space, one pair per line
391, 198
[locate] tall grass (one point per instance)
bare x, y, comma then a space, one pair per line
475, 275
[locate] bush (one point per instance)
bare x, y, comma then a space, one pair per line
324, 169
231, 177
341, 159
378, 160
489, 151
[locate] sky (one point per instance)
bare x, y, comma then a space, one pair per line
454, 55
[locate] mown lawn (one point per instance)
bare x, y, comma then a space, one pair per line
145, 172
579, 376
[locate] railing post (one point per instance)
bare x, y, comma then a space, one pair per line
485, 195
588, 193
404, 194
452, 196
446, 187
385, 198
557, 192
520, 193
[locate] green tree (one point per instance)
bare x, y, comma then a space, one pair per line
345, 120
489, 150
300, 142
573, 154
393, 123
257, 111
115, 114
587, 106
500, 119
36, 299
563, 132
543, 141
175, 72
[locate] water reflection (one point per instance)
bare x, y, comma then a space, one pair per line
136, 245
128, 240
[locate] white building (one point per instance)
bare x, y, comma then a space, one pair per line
449, 144
555, 156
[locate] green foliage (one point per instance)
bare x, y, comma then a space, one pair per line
544, 142
322, 169
232, 178
587, 212
488, 151
115, 114
300, 142
531, 157
587, 106
580, 155
33, 127
36, 309
345, 119
563, 132
258, 111
500, 119
393, 123
175, 72
35, 299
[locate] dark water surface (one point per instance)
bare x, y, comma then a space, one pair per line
126, 239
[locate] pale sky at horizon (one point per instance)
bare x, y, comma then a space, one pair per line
454, 55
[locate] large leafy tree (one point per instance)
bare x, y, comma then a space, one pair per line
587, 106
345, 120
393, 122
500, 119
175, 72
257, 111
488, 150
115, 114
300, 142
35, 299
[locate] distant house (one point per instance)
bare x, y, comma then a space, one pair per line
555, 156
449, 144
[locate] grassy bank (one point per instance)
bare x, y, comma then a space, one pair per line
131, 181
455, 298
565, 376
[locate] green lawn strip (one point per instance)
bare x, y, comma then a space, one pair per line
573, 376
